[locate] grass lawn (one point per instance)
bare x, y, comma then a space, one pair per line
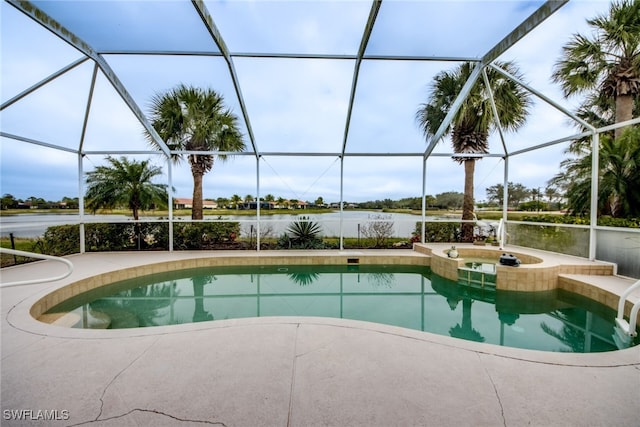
20, 244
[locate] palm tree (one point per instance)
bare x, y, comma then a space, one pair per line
475, 119
608, 63
235, 199
619, 176
222, 202
194, 119
125, 182
535, 196
551, 194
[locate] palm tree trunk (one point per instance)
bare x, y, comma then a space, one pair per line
196, 203
624, 111
467, 203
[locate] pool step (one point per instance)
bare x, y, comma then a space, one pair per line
66, 320
474, 277
96, 320
121, 318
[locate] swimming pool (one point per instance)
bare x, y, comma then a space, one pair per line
406, 296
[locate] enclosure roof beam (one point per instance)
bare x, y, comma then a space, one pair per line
535, 19
630, 122
281, 55
87, 110
324, 154
553, 142
464, 92
543, 97
542, 13
36, 142
578, 136
43, 82
373, 13
495, 110
31, 10
219, 41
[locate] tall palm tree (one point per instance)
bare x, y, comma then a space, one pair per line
608, 62
125, 182
475, 119
193, 119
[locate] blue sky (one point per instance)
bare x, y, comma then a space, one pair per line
294, 105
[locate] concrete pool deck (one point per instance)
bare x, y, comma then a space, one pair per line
289, 371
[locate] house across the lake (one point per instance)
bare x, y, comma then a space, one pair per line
254, 205
188, 204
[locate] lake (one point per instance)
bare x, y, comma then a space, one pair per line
354, 222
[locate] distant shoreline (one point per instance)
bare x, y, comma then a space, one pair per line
482, 214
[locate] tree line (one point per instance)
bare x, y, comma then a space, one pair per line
8, 201
519, 197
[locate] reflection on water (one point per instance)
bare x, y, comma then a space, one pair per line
139, 306
199, 282
406, 296
303, 278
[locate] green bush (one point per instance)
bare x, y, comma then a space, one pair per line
63, 240
201, 235
59, 240
126, 237
606, 221
109, 237
557, 219
438, 232
533, 205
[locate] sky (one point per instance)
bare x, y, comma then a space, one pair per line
294, 105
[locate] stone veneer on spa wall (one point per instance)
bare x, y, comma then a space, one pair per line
533, 274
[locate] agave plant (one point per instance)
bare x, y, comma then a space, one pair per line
304, 233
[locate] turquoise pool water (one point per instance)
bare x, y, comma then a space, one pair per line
406, 296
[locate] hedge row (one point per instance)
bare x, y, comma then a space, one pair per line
605, 221
65, 239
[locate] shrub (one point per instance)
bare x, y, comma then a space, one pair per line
201, 235
59, 240
604, 220
379, 230
439, 232
63, 240
109, 237
302, 234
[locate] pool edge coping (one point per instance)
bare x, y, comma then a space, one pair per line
19, 317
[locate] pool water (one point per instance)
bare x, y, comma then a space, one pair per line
406, 296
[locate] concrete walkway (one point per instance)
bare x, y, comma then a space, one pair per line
289, 372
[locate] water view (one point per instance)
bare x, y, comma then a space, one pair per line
34, 225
